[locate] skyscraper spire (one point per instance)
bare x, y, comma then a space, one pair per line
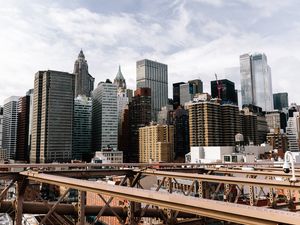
84, 82
120, 80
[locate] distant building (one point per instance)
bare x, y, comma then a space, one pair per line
156, 143
165, 115
139, 116
84, 82
23, 136
197, 84
52, 120
181, 133
153, 75
228, 93
187, 93
276, 119
10, 125
254, 129
82, 129
105, 116
256, 81
280, 100
176, 94
277, 140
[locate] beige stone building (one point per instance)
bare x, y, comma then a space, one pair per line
156, 143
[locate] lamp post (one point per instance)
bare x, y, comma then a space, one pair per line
289, 159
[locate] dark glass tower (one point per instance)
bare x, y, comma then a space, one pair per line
228, 93
280, 100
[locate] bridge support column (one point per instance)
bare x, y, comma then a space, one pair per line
81, 207
20, 189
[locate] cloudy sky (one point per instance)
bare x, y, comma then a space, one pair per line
196, 38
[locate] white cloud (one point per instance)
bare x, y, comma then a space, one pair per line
195, 43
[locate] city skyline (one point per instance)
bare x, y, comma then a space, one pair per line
40, 36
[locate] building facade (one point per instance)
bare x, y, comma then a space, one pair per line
23, 136
231, 125
256, 81
52, 120
277, 140
280, 100
84, 82
176, 94
82, 129
181, 133
104, 116
10, 126
204, 122
156, 143
139, 116
153, 75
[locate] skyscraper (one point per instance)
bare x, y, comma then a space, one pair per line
82, 129
104, 116
181, 133
280, 100
122, 99
52, 120
228, 94
22, 150
84, 82
153, 75
176, 94
139, 116
256, 81
10, 125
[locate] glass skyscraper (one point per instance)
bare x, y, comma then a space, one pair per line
153, 75
256, 81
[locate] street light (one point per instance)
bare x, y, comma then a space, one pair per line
289, 159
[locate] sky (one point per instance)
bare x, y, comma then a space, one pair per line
195, 38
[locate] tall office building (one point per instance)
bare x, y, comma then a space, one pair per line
187, 93
197, 84
256, 81
280, 100
204, 122
139, 116
105, 116
181, 133
10, 125
228, 94
23, 136
176, 94
82, 129
153, 75
122, 99
1, 125
52, 120
156, 143
84, 82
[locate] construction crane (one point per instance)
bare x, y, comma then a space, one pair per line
219, 86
